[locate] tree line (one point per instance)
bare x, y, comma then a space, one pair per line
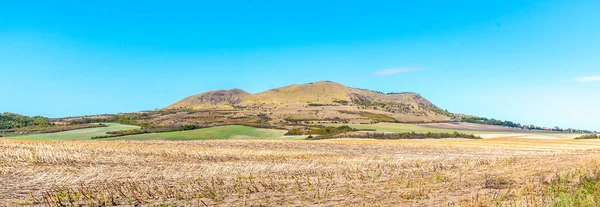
495, 122
12, 120
127, 132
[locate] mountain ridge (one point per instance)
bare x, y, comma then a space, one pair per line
322, 91
337, 101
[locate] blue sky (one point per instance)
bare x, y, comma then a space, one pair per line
527, 61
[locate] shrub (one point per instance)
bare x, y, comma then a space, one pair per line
320, 104
589, 136
189, 127
343, 102
294, 132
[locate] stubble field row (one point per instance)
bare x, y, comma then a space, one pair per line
283, 173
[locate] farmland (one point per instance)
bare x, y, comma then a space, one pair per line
245, 166
488, 172
79, 134
244, 132
401, 128
220, 132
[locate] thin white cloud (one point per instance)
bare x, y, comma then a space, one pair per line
393, 71
589, 79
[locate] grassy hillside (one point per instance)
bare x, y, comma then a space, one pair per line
221, 132
79, 134
323, 92
319, 101
319, 92
400, 128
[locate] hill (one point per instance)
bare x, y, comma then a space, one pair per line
323, 101
212, 99
324, 92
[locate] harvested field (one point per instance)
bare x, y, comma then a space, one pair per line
79, 134
472, 127
522, 136
489, 172
485, 131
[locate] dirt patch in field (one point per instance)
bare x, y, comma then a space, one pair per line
522, 136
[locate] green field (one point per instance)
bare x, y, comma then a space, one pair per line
78, 134
400, 128
220, 132
243, 132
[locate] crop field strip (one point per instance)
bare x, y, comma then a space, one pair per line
220, 132
401, 128
274, 173
79, 134
244, 132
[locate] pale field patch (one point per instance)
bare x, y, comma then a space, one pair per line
484, 131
